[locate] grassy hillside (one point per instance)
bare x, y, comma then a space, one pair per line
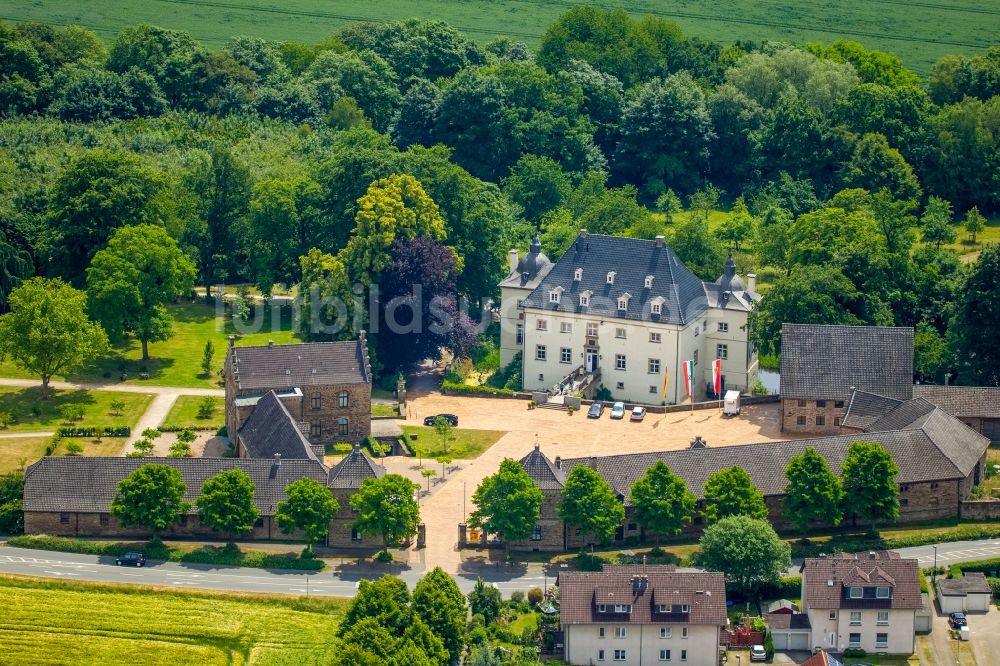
919, 32
76, 623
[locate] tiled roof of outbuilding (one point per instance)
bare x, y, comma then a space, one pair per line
824, 362
968, 401
270, 430
866, 408
353, 469
300, 365
541, 470
88, 484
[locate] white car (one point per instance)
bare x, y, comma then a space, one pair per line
758, 653
618, 410
638, 413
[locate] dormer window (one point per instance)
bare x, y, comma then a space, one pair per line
578, 274
648, 282
611, 277
623, 608
601, 608
555, 295
585, 299
881, 592
656, 306
856, 593
623, 302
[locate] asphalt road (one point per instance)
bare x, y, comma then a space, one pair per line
342, 581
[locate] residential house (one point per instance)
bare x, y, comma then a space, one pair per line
862, 600
629, 310
325, 386
822, 365
636, 616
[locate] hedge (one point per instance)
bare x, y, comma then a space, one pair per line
984, 566
470, 389
789, 587
84, 431
970, 532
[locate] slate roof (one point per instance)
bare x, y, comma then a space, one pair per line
846, 569
88, 484
973, 582
865, 408
541, 470
353, 469
906, 413
631, 259
704, 592
531, 268
729, 291
937, 447
270, 430
824, 362
968, 401
313, 364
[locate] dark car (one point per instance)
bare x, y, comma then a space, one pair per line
595, 410
131, 560
957, 620
450, 418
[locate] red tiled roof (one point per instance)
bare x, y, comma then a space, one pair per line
827, 577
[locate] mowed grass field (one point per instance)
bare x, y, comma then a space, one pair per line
184, 413
77, 623
36, 415
917, 31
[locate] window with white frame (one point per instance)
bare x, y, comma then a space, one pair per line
620, 655
723, 327
600, 655
684, 655
664, 655
654, 366
554, 296
585, 299
664, 632
611, 277
856, 593
854, 640
654, 307
578, 274
623, 608
648, 282
592, 329
620, 632
565, 327
539, 352
881, 592
654, 337
619, 361
623, 302
883, 617
722, 351
881, 640
542, 325
833, 615
565, 355
620, 333
519, 335
600, 609
855, 617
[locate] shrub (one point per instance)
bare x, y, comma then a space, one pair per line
995, 586
117, 407
456, 388
187, 436
517, 597
768, 641
384, 556
74, 449
151, 433
72, 413
590, 562
180, 450
855, 652
107, 431
535, 595
603, 393
5, 420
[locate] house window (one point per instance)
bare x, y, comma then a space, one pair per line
904, 502
664, 655
904, 487
536, 533
723, 327
855, 617
620, 386
722, 351
684, 632
539, 352
882, 640
565, 327
355, 535
344, 399
553, 296
856, 593
105, 519
623, 304
619, 361
934, 485
519, 336
837, 420
342, 426
800, 420
578, 274
317, 400
600, 630
585, 302
591, 329
654, 366
695, 357
654, 337
600, 609
315, 429
611, 277
64, 519
654, 308
542, 325
652, 389
820, 420
881, 592
854, 640
648, 282
622, 608
620, 655
685, 608
833, 615
620, 632
664, 632
696, 331
839, 404
684, 655
620, 333
802, 403
565, 355
821, 403
600, 655
883, 617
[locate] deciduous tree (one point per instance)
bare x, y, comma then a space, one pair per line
869, 480
441, 605
589, 503
226, 503
308, 509
747, 550
731, 492
386, 507
507, 503
661, 501
813, 493
976, 314
152, 497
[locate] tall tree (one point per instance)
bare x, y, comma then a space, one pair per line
698, 248
15, 265
308, 509
47, 331
731, 492
869, 479
537, 185
875, 165
661, 501
974, 223
441, 605
386, 507
129, 282
508, 503
976, 314
936, 222
589, 503
747, 550
152, 497
813, 493
485, 600
330, 309
226, 503
385, 600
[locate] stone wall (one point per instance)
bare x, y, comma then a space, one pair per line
551, 525
341, 530
792, 410
981, 509
358, 412
76, 524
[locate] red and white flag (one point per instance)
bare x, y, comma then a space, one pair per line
688, 368
717, 375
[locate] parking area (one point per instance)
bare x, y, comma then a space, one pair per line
981, 649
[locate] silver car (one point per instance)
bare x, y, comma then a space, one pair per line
618, 410
638, 413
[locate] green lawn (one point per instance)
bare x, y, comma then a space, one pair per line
382, 409
20, 452
47, 622
177, 361
34, 414
106, 446
522, 622
463, 443
184, 413
919, 33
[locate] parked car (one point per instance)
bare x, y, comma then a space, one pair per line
450, 418
638, 413
131, 560
956, 620
595, 410
618, 410
758, 653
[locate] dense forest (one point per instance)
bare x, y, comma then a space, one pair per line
399, 153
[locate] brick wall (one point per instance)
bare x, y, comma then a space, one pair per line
358, 412
341, 526
791, 411
90, 525
551, 524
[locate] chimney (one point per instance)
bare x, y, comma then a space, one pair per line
660, 241
270, 344
752, 283
277, 459
357, 447
558, 462
536, 446
232, 341
512, 255
593, 462
583, 232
